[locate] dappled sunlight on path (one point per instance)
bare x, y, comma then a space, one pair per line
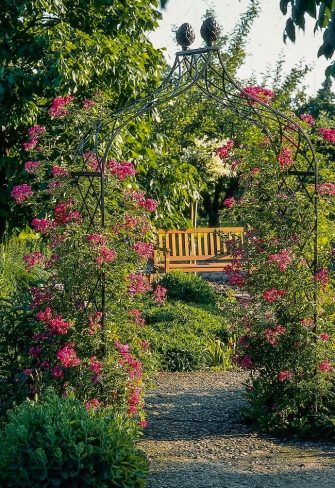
196, 439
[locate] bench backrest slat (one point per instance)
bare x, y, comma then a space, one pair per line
205, 244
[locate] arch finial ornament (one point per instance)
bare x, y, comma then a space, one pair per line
185, 36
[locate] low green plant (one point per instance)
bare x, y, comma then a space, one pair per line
57, 442
218, 355
189, 288
179, 333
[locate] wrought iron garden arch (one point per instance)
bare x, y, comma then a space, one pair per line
202, 68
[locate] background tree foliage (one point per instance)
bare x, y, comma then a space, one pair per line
192, 117
61, 47
324, 14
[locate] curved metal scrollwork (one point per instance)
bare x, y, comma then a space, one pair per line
205, 70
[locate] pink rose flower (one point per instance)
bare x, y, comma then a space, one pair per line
259, 92
328, 135
67, 355
150, 205
21, 193
87, 103
32, 167
57, 372
144, 250
308, 119
327, 189
58, 106
121, 169
285, 158
36, 131
92, 404
325, 366
229, 202
42, 225
137, 316
273, 294
95, 365
160, 294
138, 284
34, 259
284, 376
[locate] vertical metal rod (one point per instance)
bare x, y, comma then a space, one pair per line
102, 205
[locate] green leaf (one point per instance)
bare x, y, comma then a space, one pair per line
283, 6
290, 29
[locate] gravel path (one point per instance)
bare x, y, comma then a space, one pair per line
196, 439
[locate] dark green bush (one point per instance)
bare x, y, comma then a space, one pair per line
189, 288
182, 353
15, 337
179, 334
56, 442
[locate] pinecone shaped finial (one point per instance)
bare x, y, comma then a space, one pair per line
210, 31
185, 35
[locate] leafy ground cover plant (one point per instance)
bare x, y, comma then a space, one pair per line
219, 355
182, 331
57, 442
179, 333
189, 288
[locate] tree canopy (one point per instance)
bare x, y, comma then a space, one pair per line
54, 48
323, 11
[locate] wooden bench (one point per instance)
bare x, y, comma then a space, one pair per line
199, 250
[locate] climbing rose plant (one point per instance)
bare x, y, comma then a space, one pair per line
287, 339
73, 346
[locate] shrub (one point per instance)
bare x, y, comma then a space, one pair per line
189, 288
179, 333
57, 442
75, 336
286, 294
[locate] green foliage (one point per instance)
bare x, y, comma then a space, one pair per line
192, 127
179, 333
13, 273
322, 104
15, 335
57, 442
51, 333
50, 48
189, 288
190, 331
219, 355
291, 359
324, 14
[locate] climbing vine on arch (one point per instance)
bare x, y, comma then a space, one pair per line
287, 310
